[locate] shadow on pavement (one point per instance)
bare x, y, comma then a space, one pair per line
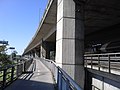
30, 85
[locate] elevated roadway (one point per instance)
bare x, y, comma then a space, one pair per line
69, 29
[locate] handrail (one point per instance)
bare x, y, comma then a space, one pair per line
70, 80
108, 61
102, 54
12, 72
63, 80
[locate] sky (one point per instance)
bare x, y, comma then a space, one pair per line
19, 20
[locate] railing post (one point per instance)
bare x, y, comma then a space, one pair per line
91, 62
12, 74
109, 67
25, 66
17, 72
59, 80
85, 58
4, 78
86, 62
67, 84
98, 62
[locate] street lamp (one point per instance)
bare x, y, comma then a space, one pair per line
12, 48
4, 42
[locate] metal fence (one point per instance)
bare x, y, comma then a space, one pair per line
62, 79
95, 88
109, 62
10, 73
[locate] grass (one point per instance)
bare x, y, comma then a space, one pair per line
8, 76
1, 74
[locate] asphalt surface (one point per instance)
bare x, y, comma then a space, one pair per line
40, 79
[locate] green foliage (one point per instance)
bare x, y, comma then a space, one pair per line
4, 58
2, 49
14, 54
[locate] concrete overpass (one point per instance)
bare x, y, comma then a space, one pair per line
69, 28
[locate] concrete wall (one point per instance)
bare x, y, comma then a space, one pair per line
102, 85
98, 80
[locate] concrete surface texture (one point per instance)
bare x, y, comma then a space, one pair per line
70, 40
40, 79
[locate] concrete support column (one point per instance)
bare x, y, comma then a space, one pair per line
30, 54
33, 53
70, 39
42, 51
46, 47
37, 52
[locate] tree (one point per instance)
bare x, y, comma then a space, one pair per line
2, 49
14, 53
3, 56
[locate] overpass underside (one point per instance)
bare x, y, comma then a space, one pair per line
71, 28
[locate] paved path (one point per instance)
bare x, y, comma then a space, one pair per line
40, 79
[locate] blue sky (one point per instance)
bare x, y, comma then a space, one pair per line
19, 20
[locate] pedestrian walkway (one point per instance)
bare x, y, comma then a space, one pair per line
40, 79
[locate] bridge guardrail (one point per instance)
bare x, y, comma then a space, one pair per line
9, 74
62, 79
108, 62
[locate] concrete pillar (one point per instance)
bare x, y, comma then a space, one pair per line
46, 47
70, 39
37, 52
42, 51
29, 55
52, 47
33, 53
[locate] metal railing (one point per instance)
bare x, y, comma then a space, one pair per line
62, 79
109, 62
95, 88
10, 73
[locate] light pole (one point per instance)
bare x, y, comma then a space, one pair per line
12, 48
